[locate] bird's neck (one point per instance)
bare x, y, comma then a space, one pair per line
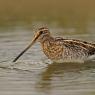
46, 38
46, 43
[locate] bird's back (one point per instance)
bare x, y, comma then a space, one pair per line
76, 49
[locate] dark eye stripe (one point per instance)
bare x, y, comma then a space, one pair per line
41, 32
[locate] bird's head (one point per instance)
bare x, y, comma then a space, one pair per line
41, 33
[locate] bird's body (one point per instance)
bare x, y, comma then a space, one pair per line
60, 49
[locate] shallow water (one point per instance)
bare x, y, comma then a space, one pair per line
31, 75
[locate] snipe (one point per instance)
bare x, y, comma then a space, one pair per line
62, 49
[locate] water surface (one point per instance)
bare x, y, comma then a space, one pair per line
33, 74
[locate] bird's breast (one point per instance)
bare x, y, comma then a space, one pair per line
53, 51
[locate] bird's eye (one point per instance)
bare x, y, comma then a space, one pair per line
41, 32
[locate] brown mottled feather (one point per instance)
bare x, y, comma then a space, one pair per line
72, 43
59, 48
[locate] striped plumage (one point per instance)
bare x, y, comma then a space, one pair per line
60, 49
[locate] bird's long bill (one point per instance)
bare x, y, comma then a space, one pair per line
33, 41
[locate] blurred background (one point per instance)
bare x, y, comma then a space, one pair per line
75, 14
31, 75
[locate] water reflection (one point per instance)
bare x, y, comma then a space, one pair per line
64, 76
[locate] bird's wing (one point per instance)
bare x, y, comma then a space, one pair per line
72, 43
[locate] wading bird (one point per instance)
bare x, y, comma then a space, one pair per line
60, 49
